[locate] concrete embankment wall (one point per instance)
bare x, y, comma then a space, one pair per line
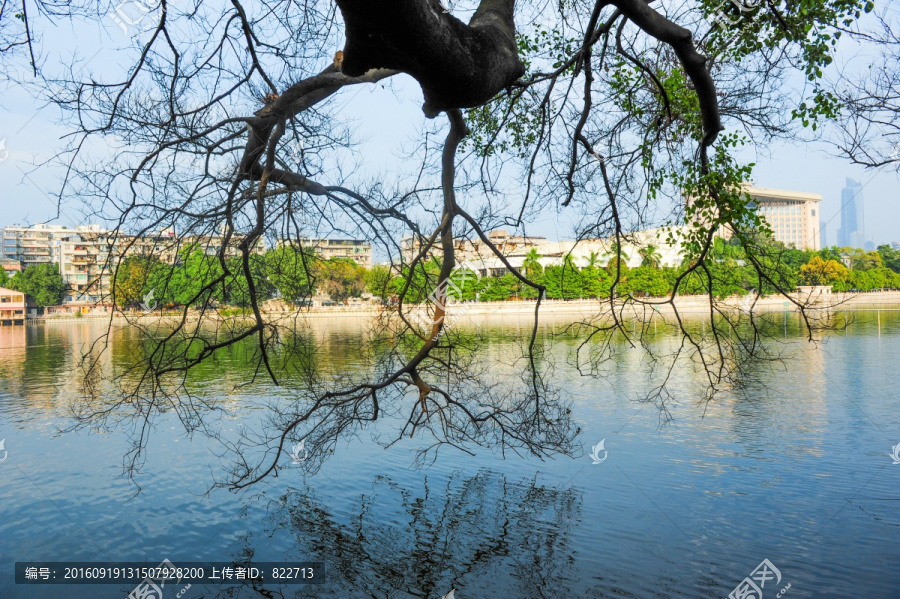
577, 309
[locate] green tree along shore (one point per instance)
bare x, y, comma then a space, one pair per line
41, 282
731, 275
295, 275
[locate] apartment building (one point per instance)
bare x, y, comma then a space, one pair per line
167, 247
470, 250
73, 249
84, 267
39, 243
88, 265
359, 250
87, 255
585, 252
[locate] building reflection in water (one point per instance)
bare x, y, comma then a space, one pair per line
13, 341
13, 352
39, 364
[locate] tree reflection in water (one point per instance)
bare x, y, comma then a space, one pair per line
477, 534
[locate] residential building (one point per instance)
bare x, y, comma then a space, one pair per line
39, 243
852, 232
895, 245
88, 263
86, 255
12, 307
359, 250
585, 252
74, 250
11, 266
468, 250
793, 216
84, 265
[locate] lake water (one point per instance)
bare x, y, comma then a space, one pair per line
794, 470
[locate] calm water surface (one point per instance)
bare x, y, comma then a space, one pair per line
796, 471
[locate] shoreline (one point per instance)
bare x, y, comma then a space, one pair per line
639, 308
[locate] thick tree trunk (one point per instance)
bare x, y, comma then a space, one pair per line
457, 65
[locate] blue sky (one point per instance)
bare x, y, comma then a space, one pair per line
388, 119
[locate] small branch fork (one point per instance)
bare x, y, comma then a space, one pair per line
409, 373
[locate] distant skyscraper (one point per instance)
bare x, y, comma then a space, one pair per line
852, 232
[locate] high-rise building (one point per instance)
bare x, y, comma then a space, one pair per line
73, 249
793, 216
84, 265
40, 243
853, 231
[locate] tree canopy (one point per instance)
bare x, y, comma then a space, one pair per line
42, 282
608, 113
